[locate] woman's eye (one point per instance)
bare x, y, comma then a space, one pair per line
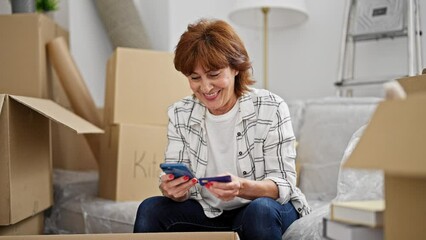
214, 74
194, 77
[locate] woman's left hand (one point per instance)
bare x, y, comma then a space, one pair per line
225, 191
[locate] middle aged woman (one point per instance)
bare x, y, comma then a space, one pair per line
225, 127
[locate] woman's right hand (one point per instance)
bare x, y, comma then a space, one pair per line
176, 189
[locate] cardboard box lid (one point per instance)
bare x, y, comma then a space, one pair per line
413, 85
394, 138
142, 236
1, 101
56, 113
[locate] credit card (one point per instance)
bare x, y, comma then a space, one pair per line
203, 181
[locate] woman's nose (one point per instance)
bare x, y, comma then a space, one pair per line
206, 86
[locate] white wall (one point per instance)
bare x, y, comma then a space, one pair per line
90, 46
156, 20
183, 12
302, 60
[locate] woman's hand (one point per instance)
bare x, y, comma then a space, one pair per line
243, 188
225, 191
176, 189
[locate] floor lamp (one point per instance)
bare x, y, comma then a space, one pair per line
268, 14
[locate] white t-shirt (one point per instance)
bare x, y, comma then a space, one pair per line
222, 157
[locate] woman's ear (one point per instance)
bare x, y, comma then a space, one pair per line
236, 72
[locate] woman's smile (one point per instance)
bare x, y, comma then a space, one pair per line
211, 96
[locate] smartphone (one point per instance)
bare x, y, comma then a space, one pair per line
203, 181
177, 169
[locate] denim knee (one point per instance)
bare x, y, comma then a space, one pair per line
264, 218
148, 211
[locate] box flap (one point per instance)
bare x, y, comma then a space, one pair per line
59, 114
394, 139
413, 85
136, 236
1, 101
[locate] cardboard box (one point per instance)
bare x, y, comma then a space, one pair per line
394, 141
33, 225
25, 153
24, 69
131, 158
137, 236
140, 86
71, 151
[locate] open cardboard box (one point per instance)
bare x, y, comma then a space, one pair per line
137, 236
26, 155
25, 70
394, 141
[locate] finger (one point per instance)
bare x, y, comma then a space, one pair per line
177, 186
167, 177
211, 191
224, 194
186, 184
221, 196
226, 186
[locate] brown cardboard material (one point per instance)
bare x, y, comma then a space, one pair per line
405, 214
137, 236
72, 81
75, 87
394, 141
22, 46
413, 85
33, 225
141, 85
130, 162
24, 69
71, 151
25, 154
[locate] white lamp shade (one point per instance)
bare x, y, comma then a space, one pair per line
282, 13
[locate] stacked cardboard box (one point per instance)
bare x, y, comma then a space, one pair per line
141, 85
25, 70
33, 225
394, 141
25, 120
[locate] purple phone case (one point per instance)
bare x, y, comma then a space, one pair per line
203, 181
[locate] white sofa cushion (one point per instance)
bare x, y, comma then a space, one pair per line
326, 128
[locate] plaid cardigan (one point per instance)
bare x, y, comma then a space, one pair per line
265, 144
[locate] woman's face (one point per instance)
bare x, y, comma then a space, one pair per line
214, 88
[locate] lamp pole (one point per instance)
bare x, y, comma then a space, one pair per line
265, 11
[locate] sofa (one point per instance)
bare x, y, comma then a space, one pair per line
324, 130
327, 131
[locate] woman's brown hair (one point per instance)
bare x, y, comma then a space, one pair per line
214, 45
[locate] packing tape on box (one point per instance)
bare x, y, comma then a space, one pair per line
75, 87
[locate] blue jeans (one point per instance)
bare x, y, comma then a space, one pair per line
263, 218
